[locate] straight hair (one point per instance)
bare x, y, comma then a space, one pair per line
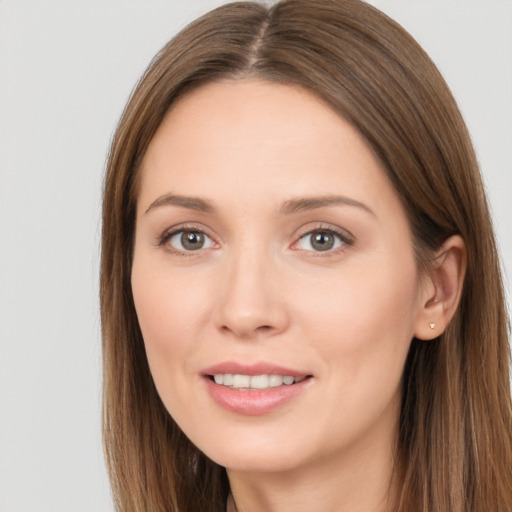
454, 446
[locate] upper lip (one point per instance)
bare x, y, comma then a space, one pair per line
260, 368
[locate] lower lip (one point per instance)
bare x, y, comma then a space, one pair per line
254, 402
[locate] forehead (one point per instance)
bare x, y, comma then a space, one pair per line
256, 139
249, 114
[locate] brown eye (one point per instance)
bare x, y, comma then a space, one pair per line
320, 241
192, 240
186, 241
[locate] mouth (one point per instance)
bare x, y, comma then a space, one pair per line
255, 382
254, 389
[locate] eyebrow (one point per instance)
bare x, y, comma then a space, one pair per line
312, 203
192, 203
288, 208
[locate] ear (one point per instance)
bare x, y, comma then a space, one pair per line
441, 289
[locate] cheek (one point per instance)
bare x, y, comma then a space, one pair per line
169, 312
364, 322
362, 329
171, 308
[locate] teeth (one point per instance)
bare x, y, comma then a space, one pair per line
259, 382
239, 381
275, 380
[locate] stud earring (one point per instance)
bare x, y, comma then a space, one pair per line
432, 325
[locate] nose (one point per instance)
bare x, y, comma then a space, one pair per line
252, 297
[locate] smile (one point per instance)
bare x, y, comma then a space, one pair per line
238, 381
254, 390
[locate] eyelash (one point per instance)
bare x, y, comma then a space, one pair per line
345, 239
168, 235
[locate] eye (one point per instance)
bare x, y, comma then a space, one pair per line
321, 240
188, 240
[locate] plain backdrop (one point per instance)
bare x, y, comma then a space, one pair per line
66, 70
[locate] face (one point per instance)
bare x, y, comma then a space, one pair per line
274, 278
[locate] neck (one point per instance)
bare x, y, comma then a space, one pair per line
360, 481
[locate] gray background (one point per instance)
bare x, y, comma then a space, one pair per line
66, 70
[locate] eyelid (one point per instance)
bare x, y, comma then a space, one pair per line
346, 238
172, 231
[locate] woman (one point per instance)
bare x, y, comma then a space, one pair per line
301, 298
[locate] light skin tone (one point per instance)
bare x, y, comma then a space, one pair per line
267, 231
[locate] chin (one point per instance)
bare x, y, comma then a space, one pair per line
253, 461
251, 453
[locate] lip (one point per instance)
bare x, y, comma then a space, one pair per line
261, 368
258, 401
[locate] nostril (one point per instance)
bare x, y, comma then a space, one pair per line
247, 332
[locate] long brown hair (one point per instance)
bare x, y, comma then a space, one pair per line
454, 450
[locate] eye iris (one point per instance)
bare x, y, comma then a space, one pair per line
322, 241
192, 240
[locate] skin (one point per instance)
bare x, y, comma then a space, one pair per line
259, 291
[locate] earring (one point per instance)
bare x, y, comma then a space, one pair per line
432, 325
